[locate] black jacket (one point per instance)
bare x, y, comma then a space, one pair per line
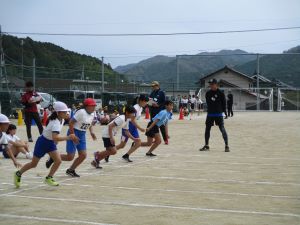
159, 97
216, 101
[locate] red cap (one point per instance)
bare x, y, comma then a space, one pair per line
89, 102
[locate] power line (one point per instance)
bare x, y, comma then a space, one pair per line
150, 34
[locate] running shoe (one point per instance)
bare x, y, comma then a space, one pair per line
50, 181
150, 154
204, 148
72, 173
17, 179
126, 158
96, 164
227, 148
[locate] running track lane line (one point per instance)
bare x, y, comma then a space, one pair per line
50, 219
205, 180
115, 203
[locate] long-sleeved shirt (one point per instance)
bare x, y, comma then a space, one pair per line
30, 107
159, 97
216, 103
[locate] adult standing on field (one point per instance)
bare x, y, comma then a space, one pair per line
158, 98
229, 104
30, 99
216, 106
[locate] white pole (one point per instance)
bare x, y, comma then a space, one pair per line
33, 74
257, 84
102, 72
177, 72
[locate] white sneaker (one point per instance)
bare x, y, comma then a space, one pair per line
29, 155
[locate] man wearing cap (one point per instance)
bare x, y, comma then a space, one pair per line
30, 99
216, 106
4, 123
158, 104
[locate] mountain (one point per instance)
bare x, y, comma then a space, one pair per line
282, 67
190, 68
285, 68
51, 60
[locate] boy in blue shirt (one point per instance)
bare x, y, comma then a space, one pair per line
152, 131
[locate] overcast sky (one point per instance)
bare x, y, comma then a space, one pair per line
155, 16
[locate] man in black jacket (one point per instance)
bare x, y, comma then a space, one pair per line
216, 105
229, 104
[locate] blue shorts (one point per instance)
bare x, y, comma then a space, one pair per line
43, 146
132, 130
81, 146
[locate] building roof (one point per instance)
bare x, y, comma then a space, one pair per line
262, 78
226, 68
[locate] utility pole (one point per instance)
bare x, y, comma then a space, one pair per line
1, 59
22, 43
33, 74
102, 72
82, 73
257, 84
177, 72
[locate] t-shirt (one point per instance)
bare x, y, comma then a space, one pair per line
12, 138
193, 100
53, 126
184, 100
138, 110
120, 123
83, 119
3, 138
163, 116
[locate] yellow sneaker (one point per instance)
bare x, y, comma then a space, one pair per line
50, 181
17, 179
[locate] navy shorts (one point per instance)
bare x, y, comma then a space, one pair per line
132, 130
151, 133
43, 146
107, 143
81, 146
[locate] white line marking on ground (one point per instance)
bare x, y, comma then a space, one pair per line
229, 157
50, 219
201, 192
215, 171
227, 163
204, 180
286, 214
62, 181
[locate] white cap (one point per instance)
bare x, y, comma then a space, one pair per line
60, 107
4, 119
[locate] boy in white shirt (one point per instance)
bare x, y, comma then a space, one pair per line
110, 131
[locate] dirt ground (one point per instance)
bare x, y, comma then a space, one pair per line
258, 182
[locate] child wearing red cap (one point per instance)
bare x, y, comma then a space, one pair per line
81, 122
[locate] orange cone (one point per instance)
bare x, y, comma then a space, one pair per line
147, 115
181, 116
45, 117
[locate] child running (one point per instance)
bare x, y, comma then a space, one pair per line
133, 129
47, 143
82, 120
152, 131
110, 131
15, 144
